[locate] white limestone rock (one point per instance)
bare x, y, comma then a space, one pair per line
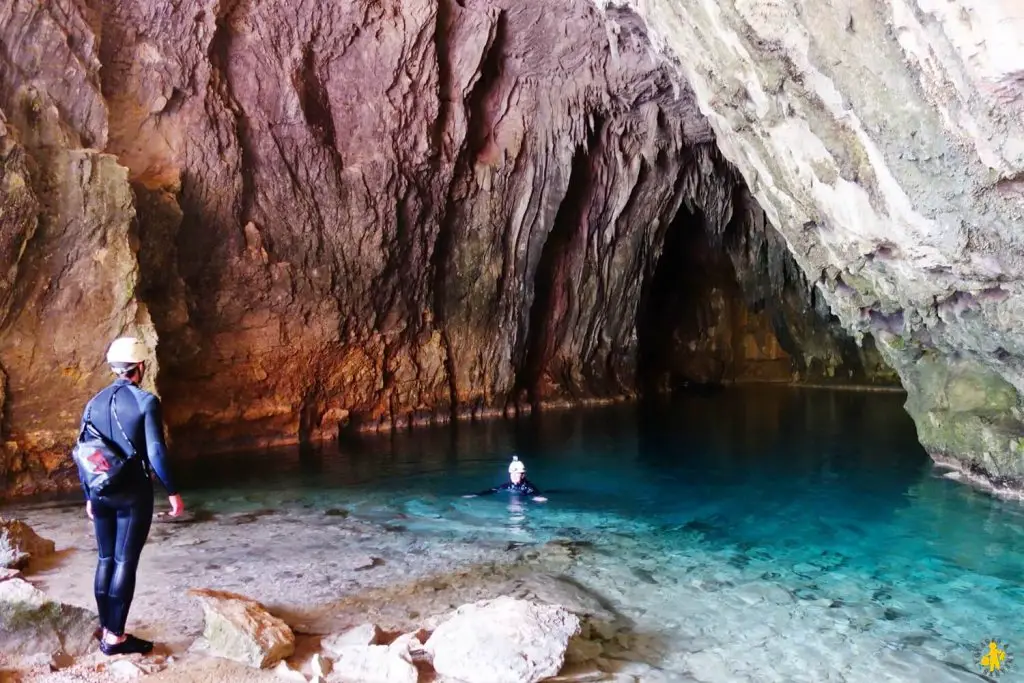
362, 635
371, 664
503, 640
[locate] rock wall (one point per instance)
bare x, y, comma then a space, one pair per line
367, 214
885, 139
68, 284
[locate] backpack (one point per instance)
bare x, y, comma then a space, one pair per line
102, 464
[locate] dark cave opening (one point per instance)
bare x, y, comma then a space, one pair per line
731, 306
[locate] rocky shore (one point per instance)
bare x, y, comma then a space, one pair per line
307, 596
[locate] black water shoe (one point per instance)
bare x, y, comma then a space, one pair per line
130, 645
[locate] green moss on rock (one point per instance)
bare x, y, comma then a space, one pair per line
32, 623
967, 413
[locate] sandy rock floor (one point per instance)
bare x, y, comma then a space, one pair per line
321, 572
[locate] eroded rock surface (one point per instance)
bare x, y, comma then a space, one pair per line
31, 623
365, 663
886, 142
69, 278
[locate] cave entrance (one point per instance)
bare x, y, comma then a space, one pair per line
732, 306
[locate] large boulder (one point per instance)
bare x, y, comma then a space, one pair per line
241, 629
503, 640
33, 624
19, 543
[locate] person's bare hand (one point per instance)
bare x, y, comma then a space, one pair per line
88, 508
177, 505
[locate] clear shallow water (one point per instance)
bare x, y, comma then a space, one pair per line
769, 532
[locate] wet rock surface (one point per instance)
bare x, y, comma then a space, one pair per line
694, 623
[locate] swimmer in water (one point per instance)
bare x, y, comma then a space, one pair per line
517, 483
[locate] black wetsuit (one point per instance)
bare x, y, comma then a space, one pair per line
122, 519
525, 487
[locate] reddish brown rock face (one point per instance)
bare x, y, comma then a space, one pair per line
334, 213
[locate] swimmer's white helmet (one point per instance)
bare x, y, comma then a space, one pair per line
127, 350
516, 465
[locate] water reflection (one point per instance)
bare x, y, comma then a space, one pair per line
517, 516
810, 438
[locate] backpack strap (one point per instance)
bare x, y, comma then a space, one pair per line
113, 411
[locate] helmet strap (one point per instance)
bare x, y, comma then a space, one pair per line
127, 372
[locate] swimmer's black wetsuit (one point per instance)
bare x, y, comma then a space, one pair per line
524, 487
122, 519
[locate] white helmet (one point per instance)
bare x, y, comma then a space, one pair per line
516, 465
127, 350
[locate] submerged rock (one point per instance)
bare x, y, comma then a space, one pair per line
19, 543
561, 590
33, 624
241, 629
503, 640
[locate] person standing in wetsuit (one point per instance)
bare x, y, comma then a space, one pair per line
517, 483
122, 518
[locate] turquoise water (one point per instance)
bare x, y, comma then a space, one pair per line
887, 570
